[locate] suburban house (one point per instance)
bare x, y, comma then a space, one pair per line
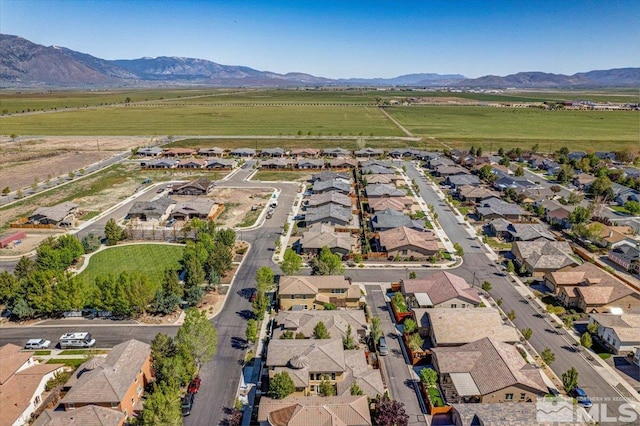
332, 197
310, 361
328, 175
343, 163
407, 243
152, 151
337, 185
505, 182
321, 235
334, 214
277, 163
487, 370
305, 153
620, 333
445, 170
624, 194
627, 256
161, 163
336, 152
379, 179
199, 208
310, 163
459, 326
158, 210
542, 256
221, 163
606, 236
300, 292
116, 381
528, 232
211, 152
336, 321
200, 186
436, 162
399, 204
243, 152
22, 382
592, 289
192, 163
523, 413
389, 219
583, 181
475, 194
457, 181
369, 152
440, 290
59, 215
89, 415
331, 411
272, 152
178, 152
499, 228
383, 191
493, 208
556, 213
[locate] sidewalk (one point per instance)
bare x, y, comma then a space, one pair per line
250, 378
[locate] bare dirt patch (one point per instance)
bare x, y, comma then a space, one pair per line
26, 160
238, 202
211, 303
34, 238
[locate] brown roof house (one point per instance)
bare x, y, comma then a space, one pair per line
322, 235
309, 361
59, 215
89, 415
336, 321
200, 208
315, 411
300, 292
22, 382
407, 243
542, 256
200, 186
440, 290
192, 163
399, 204
487, 371
459, 326
116, 381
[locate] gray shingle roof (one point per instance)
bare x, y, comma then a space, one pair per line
500, 207
388, 219
330, 197
383, 190
332, 185
328, 212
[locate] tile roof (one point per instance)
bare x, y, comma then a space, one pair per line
402, 236
457, 326
324, 355
336, 321
471, 191
442, 286
493, 365
381, 178
302, 284
316, 411
11, 360
88, 415
110, 380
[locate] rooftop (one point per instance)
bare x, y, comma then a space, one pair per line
442, 286
402, 236
316, 411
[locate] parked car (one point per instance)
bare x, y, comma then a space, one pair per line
187, 404
37, 344
383, 349
160, 190
581, 397
194, 386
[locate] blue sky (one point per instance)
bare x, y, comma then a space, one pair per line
345, 38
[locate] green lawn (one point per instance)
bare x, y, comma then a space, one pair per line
507, 127
42, 352
69, 362
83, 351
620, 209
206, 120
149, 259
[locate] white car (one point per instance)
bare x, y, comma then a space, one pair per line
37, 344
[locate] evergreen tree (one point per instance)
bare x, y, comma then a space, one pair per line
24, 267
198, 335
291, 262
347, 341
326, 388
162, 406
112, 232
9, 285
570, 379
281, 385
252, 331
320, 331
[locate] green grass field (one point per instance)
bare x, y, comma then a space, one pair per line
521, 125
205, 120
69, 362
149, 259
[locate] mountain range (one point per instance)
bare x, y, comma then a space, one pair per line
26, 64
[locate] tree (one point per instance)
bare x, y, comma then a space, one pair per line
347, 341
91, 243
220, 259
260, 305
415, 342
601, 186
534, 148
575, 198
19, 193
509, 267
291, 262
579, 215
198, 335
412, 275
226, 237
486, 286
112, 232
485, 172
327, 263
22, 310
162, 406
458, 248
326, 388
410, 326
519, 171
511, 315
479, 152
281, 385
320, 331
568, 322
632, 207
555, 188
565, 174
390, 413
376, 329
585, 340
500, 151
547, 356
527, 333
6, 191
570, 379
355, 389
265, 279
9, 284
429, 377
252, 330
592, 328
24, 267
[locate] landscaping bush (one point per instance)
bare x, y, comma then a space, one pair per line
434, 396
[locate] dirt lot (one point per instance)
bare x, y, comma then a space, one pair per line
238, 202
34, 237
27, 159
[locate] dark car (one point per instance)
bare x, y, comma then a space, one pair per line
187, 404
581, 397
194, 386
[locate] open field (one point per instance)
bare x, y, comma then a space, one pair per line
587, 129
283, 175
148, 259
203, 120
289, 143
